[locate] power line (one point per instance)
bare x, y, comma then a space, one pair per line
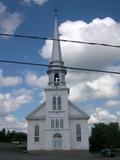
66, 67
63, 40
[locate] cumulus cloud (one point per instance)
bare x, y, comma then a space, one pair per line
102, 115
84, 87
33, 79
10, 102
93, 120
86, 55
38, 2
9, 80
105, 86
9, 22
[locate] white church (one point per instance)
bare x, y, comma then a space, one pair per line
57, 124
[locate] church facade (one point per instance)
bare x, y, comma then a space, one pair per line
57, 124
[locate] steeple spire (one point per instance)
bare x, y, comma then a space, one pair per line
56, 69
56, 50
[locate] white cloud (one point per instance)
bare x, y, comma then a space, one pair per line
9, 80
102, 115
78, 92
38, 2
93, 120
10, 102
86, 55
10, 119
105, 86
34, 80
84, 87
11, 123
9, 22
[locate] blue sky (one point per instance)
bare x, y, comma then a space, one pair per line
22, 87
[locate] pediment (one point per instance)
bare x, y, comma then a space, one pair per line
38, 113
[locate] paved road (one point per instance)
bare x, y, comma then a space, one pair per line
11, 152
6, 155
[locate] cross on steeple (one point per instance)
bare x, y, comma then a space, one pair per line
55, 11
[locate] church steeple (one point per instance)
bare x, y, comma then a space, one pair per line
56, 69
56, 51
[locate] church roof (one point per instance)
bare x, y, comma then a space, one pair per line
78, 113
32, 116
81, 115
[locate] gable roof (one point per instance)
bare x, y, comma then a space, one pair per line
32, 116
81, 114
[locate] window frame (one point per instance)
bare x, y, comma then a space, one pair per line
54, 103
57, 123
36, 133
52, 123
57, 103
61, 123
78, 132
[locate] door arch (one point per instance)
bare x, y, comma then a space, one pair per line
57, 142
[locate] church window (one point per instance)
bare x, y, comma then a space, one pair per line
52, 123
56, 79
54, 103
61, 123
36, 138
57, 123
57, 135
59, 103
78, 132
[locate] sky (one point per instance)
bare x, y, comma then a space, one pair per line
22, 87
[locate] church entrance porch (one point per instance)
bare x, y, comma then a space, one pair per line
57, 142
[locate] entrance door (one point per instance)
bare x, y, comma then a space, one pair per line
57, 142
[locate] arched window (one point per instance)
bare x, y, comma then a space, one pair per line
36, 136
56, 79
57, 123
61, 123
78, 132
57, 135
52, 123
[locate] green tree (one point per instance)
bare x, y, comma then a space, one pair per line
3, 135
12, 136
104, 135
